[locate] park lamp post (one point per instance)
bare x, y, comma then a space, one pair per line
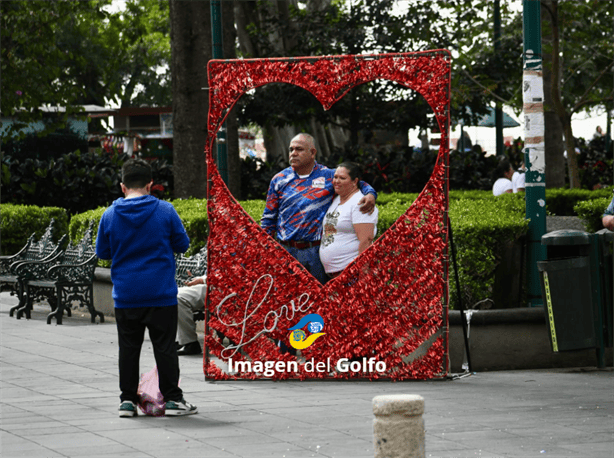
498, 110
534, 147
218, 53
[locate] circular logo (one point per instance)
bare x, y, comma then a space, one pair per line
299, 335
298, 338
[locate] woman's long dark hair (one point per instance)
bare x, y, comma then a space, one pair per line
502, 168
353, 169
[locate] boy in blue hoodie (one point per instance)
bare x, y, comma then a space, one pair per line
140, 234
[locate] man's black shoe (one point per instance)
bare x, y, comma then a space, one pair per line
192, 348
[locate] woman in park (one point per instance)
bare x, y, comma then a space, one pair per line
346, 231
503, 178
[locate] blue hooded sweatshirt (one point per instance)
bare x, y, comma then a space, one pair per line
140, 235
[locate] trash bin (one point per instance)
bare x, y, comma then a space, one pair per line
567, 290
605, 248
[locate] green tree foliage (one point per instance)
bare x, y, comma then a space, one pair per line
128, 54
31, 76
582, 63
362, 27
66, 53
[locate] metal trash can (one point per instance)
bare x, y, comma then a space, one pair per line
567, 290
605, 248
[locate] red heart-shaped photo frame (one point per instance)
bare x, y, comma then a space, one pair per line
386, 315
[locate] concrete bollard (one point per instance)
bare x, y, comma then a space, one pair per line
398, 427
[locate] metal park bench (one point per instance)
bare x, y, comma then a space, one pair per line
33, 250
67, 277
189, 267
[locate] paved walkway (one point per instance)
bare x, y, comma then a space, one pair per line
59, 398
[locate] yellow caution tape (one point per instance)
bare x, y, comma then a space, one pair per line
555, 346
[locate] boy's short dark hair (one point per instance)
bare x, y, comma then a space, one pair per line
136, 173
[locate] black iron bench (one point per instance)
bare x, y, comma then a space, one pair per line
187, 267
66, 278
40, 250
190, 267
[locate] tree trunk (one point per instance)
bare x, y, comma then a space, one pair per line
232, 125
191, 49
276, 139
564, 117
553, 129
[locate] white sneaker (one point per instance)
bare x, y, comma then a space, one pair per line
176, 408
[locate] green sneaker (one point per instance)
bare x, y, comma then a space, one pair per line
176, 408
127, 409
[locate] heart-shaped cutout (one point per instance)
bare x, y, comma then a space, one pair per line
386, 314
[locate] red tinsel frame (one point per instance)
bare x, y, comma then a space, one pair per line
390, 304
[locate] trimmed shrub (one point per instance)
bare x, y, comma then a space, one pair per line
481, 228
561, 202
482, 225
79, 224
591, 212
18, 222
254, 208
193, 213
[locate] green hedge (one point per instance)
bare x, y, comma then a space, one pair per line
18, 222
481, 224
591, 212
562, 202
193, 213
480, 229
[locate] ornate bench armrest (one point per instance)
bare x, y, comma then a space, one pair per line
82, 272
30, 270
5, 264
6, 261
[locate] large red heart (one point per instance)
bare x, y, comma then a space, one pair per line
386, 314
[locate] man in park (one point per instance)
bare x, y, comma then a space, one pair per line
608, 216
140, 234
191, 298
297, 201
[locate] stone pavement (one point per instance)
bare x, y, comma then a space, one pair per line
59, 398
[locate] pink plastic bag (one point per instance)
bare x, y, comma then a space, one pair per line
151, 401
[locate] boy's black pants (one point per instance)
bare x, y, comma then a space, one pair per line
162, 325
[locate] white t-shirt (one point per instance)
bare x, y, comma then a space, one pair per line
518, 181
501, 186
339, 245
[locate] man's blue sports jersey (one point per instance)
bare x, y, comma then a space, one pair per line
295, 207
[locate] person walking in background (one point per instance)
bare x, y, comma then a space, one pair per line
297, 200
503, 175
346, 231
140, 234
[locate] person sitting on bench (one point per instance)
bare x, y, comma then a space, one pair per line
190, 299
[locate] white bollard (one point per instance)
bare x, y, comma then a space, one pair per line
398, 427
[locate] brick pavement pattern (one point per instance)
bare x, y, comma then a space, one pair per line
59, 398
